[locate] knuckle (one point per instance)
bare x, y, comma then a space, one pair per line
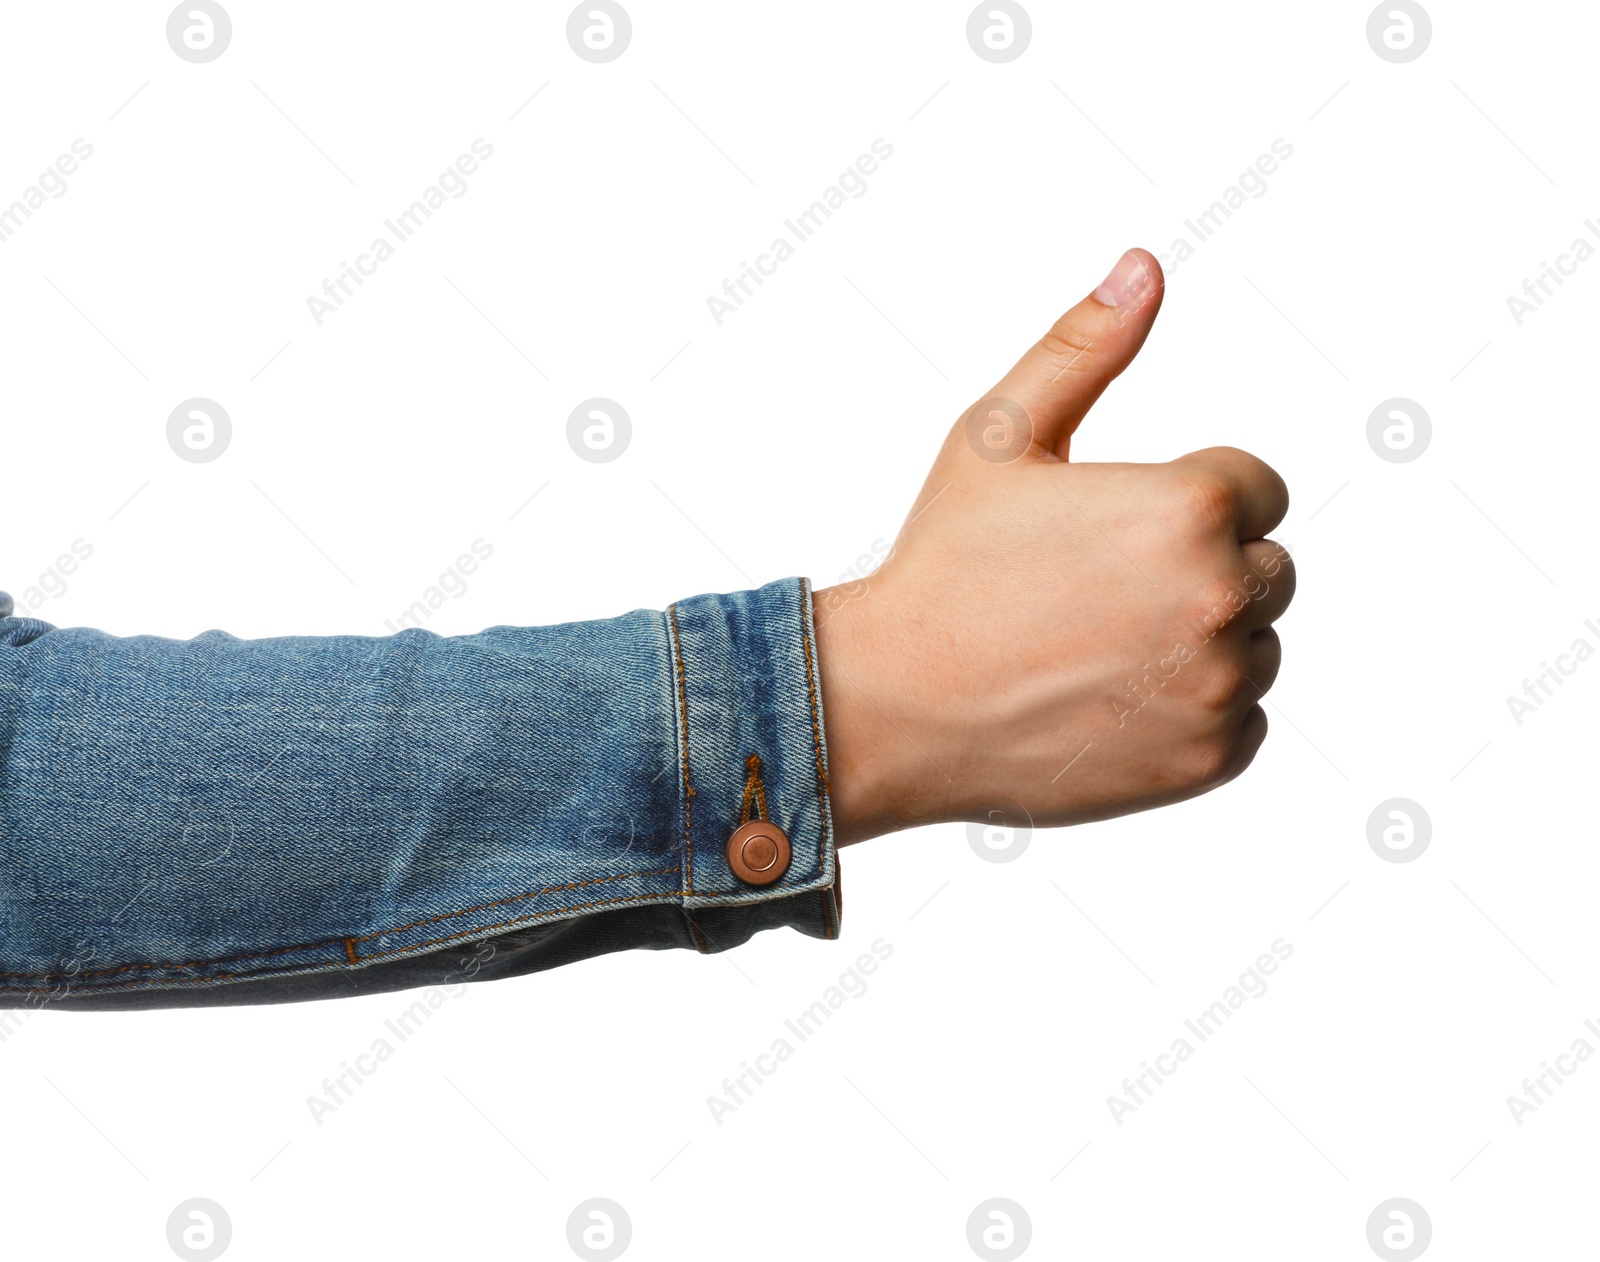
1228, 454
1202, 503
1269, 478
1222, 682
1268, 654
1287, 578
1269, 576
1211, 762
1256, 586
1067, 343
1274, 562
1216, 603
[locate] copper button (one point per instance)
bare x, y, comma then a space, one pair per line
758, 852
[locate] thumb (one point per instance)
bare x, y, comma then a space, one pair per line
1065, 371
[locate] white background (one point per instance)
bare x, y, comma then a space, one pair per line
368, 452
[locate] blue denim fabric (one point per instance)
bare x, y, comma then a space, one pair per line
220, 820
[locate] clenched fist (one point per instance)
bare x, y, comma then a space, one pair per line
1075, 640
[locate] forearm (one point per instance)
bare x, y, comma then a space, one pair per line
182, 816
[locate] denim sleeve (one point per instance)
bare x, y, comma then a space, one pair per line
219, 820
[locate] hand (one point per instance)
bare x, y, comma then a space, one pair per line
1077, 640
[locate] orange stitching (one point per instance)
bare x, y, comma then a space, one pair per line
515, 898
123, 968
505, 924
816, 732
313, 946
350, 950
196, 981
688, 788
323, 967
753, 787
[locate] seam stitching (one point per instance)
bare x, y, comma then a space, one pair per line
688, 785
324, 965
196, 981
515, 898
816, 733
312, 946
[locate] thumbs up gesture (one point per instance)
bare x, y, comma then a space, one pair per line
1077, 640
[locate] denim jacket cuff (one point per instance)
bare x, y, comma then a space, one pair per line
747, 684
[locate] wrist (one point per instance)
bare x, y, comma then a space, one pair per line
882, 774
